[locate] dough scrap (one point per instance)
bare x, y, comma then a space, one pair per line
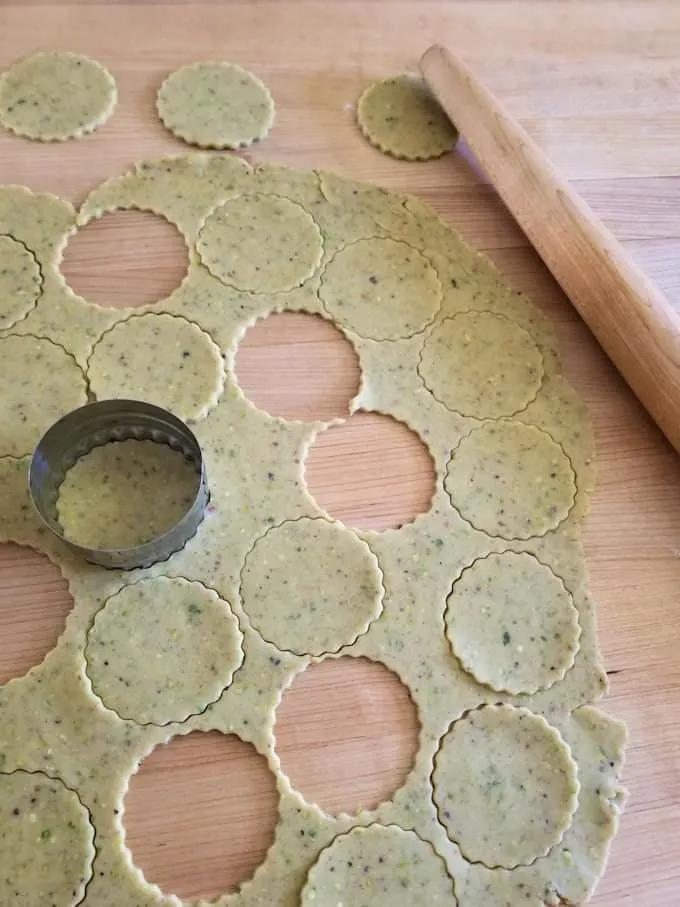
161, 359
188, 637
260, 244
20, 281
325, 582
511, 480
382, 289
381, 867
46, 842
125, 493
401, 117
39, 383
512, 624
215, 105
505, 785
56, 96
480, 364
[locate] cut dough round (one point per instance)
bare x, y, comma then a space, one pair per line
125, 493
510, 480
162, 359
46, 842
215, 105
380, 865
482, 365
505, 785
310, 586
512, 624
39, 383
56, 96
163, 649
260, 244
401, 117
20, 281
382, 289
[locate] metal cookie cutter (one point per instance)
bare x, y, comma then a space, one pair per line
93, 425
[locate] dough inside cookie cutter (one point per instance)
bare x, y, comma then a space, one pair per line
93, 425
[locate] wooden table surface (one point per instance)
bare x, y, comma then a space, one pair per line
598, 86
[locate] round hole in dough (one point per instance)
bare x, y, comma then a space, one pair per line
505, 786
310, 586
161, 359
39, 383
46, 842
20, 281
480, 364
56, 96
260, 244
382, 289
512, 624
215, 105
510, 480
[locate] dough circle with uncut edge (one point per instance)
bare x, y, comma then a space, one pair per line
56, 96
480, 364
260, 244
326, 583
193, 645
505, 786
512, 624
161, 359
380, 866
20, 281
46, 842
215, 105
401, 117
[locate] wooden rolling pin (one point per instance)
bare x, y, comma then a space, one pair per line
630, 317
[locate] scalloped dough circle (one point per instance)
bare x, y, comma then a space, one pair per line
39, 383
20, 281
163, 649
260, 244
510, 480
46, 842
52, 97
512, 623
482, 365
401, 117
380, 865
311, 587
382, 289
215, 105
161, 359
505, 785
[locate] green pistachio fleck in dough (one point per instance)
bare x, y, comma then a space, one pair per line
378, 866
163, 649
39, 383
512, 624
505, 785
510, 480
215, 105
382, 289
161, 359
46, 842
401, 117
311, 586
480, 364
54, 96
125, 493
20, 281
260, 244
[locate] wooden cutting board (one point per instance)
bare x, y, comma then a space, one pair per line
598, 86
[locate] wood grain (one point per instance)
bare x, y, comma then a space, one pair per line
595, 83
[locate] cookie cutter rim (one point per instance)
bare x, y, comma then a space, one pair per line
96, 424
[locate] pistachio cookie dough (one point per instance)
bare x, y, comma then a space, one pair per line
56, 96
215, 105
20, 281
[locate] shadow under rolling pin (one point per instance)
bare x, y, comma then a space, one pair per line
630, 317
